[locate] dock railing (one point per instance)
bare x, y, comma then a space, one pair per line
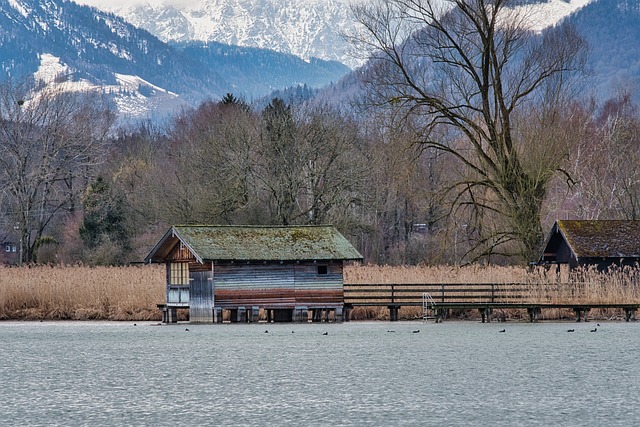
411, 294
580, 297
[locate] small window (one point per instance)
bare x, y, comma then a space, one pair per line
322, 269
7, 248
13, 248
179, 273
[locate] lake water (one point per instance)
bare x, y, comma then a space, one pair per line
454, 373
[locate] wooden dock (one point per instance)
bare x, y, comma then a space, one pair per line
438, 298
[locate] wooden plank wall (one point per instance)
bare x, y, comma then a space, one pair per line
201, 299
277, 285
318, 290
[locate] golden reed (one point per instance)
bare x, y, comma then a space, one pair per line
131, 293
81, 293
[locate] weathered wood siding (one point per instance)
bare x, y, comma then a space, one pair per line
318, 290
180, 253
277, 285
201, 299
565, 256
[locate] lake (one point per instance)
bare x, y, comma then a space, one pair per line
359, 373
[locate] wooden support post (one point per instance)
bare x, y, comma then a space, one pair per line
316, 315
338, 314
217, 315
301, 314
172, 315
346, 314
578, 312
629, 314
486, 313
393, 312
253, 314
269, 315
534, 314
165, 315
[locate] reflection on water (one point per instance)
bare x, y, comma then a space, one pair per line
379, 373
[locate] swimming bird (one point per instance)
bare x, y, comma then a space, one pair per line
266, 332
416, 331
186, 330
571, 330
390, 331
594, 330
326, 333
503, 330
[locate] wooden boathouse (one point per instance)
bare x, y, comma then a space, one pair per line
287, 271
599, 243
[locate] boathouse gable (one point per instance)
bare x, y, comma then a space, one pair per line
599, 243
247, 268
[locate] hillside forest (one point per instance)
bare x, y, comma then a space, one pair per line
468, 157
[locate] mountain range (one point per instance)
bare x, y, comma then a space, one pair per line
83, 47
305, 28
187, 56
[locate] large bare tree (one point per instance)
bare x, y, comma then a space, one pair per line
50, 141
472, 72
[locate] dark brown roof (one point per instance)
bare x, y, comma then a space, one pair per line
258, 243
602, 238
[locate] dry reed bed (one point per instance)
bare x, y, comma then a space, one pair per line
131, 293
81, 293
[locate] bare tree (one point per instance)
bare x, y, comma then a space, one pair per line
50, 142
309, 164
206, 164
471, 71
605, 166
335, 168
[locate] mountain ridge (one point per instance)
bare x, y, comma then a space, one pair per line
144, 76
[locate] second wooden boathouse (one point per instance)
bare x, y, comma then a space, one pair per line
288, 271
599, 243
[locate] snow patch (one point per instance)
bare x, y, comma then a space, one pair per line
547, 14
134, 82
50, 68
20, 8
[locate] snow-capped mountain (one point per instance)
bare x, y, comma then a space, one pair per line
61, 42
305, 28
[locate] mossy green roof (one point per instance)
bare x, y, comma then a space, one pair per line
259, 243
602, 238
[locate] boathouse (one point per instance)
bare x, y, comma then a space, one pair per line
599, 243
287, 271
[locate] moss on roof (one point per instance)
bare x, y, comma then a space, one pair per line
602, 238
264, 243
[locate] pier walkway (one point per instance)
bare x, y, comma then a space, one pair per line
437, 299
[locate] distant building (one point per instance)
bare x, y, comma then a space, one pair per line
10, 248
600, 243
287, 271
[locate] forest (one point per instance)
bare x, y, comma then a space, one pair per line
469, 157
